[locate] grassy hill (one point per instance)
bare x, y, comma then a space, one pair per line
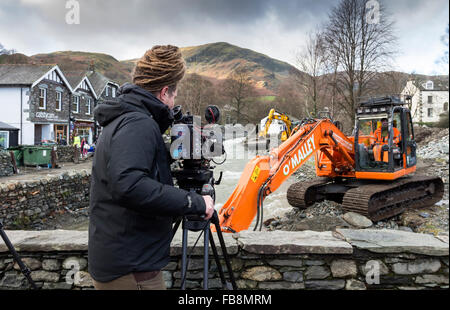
216, 61
77, 61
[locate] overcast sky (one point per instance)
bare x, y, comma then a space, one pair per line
277, 28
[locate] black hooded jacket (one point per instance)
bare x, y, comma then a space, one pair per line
133, 201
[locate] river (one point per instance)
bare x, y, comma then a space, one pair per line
275, 204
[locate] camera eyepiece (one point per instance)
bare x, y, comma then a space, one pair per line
177, 113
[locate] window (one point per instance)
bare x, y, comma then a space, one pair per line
430, 112
84, 85
429, 85
113, 92
430, 99
4, 139
58, 100
42, 98
107, 91
54, 76
445, 106
76, 104
88, 106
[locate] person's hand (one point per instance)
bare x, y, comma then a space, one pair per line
209, 202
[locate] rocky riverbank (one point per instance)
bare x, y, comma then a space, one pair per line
433, 160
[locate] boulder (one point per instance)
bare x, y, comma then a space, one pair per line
393, 241
317, 272
357, 220
325, 284
417, 266
289, 242
261, 273
353, 284
343, 268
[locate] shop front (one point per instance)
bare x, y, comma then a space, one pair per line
50, 133
84, 129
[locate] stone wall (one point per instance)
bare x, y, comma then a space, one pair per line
65, 153
28, 204
342, 260
6, 167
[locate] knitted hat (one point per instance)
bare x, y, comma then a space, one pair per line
161, 66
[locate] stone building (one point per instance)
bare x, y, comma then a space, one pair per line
82, 106
428, 99
105, 88
35, 98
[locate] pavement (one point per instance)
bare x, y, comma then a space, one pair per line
32, 173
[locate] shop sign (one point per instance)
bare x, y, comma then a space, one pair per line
47, 116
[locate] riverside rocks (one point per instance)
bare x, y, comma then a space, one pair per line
58, 260
357, 220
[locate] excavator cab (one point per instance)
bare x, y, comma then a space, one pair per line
384, 139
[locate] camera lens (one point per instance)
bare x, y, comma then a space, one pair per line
212, 114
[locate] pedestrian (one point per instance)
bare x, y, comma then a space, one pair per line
82, 147
133, 202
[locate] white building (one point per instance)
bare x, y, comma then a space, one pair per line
428, 99
34, 98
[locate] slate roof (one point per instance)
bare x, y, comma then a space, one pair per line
4, 126
22, 74
440, 83
98, 81
74, 77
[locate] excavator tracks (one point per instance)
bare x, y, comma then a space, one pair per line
304, 194
375, 200
381, 201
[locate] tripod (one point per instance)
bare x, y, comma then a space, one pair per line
24, 269
195, 223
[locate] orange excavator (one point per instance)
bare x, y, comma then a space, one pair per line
369, 172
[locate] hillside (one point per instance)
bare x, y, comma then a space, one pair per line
77, 61
217, 60
214, 61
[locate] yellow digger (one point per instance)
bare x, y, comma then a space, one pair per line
276, 115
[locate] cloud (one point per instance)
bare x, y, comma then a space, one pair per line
125, 29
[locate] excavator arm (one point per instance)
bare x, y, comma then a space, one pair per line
264, 174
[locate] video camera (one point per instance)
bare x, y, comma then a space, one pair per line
194, 147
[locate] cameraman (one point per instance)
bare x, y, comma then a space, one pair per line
133, 201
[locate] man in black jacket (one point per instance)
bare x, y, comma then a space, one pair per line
133, 201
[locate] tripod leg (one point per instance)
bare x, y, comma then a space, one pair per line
225, 255
184, 258
217, 260
205, 257
175, 228
24, 269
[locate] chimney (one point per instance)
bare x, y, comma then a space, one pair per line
92, 66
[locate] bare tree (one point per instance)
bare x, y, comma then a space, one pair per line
311, 60
290, 98
359, 36
444, 58
239, 89
195, 93
4, 51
